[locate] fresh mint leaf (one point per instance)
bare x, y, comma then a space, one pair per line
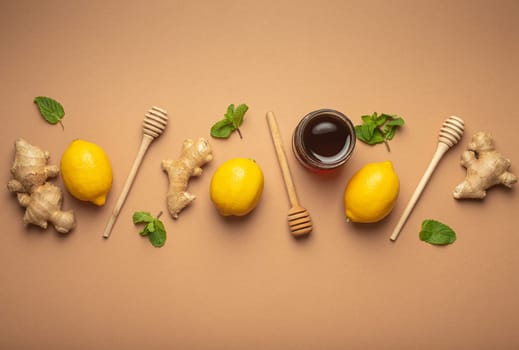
377, 136
51, 110
364, 132
158, 238
153, 228
390, 132
222, 129
159, 225
233, 119
380, 120
367, 118
239, 114
435, 232
230, 112
141, 216
389, 116
391, 127
377, 128
395, 122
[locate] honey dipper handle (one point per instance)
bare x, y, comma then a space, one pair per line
282, 159
145, 143
440, 151
450, 134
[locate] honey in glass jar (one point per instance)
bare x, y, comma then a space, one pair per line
323, 140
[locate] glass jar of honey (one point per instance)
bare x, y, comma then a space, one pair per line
323, 140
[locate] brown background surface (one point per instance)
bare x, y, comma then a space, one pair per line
245, 283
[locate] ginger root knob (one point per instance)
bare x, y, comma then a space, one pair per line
41, 199
44, 204
193, 156
485, 168
30, 168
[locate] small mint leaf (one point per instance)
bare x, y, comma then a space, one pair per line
377, 137
360, 135
141, 216
395, 122
380, 120
222, 129
367, 131
367, 119
390, 132
435, 232
158, 238
239, 114
230, 112
159, 226
51, 110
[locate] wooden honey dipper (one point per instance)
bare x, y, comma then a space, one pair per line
450, 134
155, 122
299, 220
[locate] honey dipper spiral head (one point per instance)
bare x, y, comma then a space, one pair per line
299, 221
451, 131
155, 122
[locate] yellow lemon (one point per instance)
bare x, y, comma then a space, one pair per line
371, 193
236, 186
86, 171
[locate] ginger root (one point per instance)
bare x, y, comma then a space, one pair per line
30, 168
44, 204
193, 156
485, 168
41, 199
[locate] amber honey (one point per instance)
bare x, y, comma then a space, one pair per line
323, 140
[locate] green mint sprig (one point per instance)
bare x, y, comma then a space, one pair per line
153, 228
435, 232
378, 128
232, 121
51, 110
